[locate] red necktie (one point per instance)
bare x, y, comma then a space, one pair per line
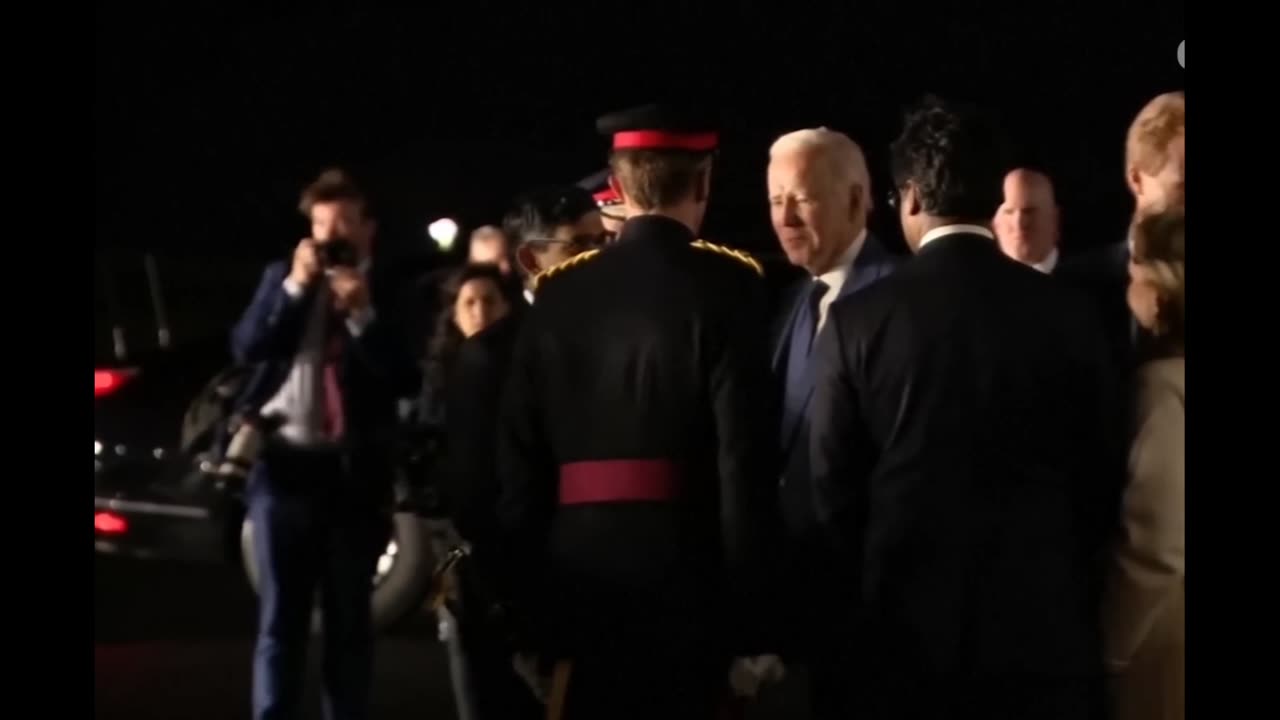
334, 417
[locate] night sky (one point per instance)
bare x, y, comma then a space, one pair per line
209, 122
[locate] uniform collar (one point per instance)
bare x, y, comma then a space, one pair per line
643, 227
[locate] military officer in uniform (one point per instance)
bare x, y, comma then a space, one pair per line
635, 448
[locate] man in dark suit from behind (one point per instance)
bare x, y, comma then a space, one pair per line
961, 432
547, 226
329, 364
819, 199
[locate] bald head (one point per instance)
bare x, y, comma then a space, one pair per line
819, 196
1026, 223
489, 246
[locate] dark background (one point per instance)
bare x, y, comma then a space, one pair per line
209, 121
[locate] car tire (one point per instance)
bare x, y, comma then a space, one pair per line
400, 586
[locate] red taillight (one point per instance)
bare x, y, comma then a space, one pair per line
109, 523
106, 382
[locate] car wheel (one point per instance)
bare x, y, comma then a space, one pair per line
400, 579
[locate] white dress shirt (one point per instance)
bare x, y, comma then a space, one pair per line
938, 232
298, 400
836, 277
528, 295
1047, 265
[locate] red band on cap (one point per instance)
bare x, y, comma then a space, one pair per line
659, 140
605, 197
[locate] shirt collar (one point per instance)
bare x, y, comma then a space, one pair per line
528, 295
1049, 263
938, 232
836, 276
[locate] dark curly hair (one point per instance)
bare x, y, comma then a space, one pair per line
954, 156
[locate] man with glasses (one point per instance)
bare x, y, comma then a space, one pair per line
548, 226
551, 225
962, 439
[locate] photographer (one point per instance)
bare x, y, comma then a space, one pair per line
329, 364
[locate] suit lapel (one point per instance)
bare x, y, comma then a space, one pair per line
870, 265
783, 343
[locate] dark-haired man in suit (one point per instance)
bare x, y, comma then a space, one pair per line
962, 437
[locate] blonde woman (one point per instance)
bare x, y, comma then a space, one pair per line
1144, 611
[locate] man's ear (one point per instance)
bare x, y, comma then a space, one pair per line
911, 200
528, 261
855, 201
702, 189
1133, 178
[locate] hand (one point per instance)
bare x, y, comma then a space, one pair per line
748, 674
306, 266
526, 668
350, 292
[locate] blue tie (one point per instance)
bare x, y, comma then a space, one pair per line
798, 377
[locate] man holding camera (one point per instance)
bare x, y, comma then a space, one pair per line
328, 366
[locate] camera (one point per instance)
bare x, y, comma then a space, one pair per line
337, 252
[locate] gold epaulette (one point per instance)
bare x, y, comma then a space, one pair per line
730, 252
563, 265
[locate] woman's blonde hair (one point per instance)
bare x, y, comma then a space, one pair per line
1159, 245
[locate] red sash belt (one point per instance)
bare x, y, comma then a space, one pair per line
597, 481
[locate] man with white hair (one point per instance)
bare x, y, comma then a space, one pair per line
819, 199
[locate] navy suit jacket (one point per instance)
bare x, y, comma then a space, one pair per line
375, 372
1103, 276
872, 263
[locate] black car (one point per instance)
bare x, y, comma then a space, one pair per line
158, 492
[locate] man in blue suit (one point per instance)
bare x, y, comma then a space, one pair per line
329, 364
819, 198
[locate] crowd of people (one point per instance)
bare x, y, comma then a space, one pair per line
941, 485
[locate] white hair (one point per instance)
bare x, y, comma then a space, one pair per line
844, 159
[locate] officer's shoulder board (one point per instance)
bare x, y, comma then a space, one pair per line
562, 266
738, 255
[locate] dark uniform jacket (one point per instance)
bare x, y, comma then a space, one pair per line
964, 437
649, 350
